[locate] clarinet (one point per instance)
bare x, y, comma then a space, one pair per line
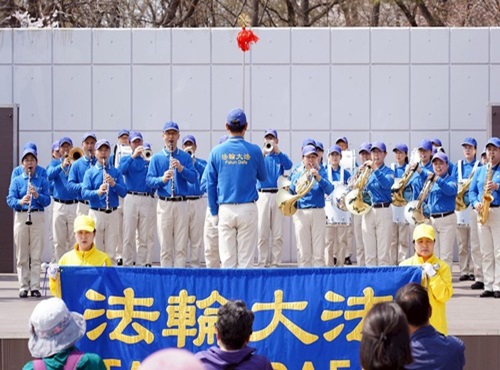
107, 210
28, 220
172, 184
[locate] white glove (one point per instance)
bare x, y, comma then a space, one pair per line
215, 221
428, 269
52, 270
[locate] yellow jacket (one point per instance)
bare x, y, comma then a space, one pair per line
93, 257
439, 288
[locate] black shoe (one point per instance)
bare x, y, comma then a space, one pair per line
36, 293
464, 277
119, 262
478, 285
148, 265
23, 294
348, 261
472, 277
334, 261
496, 294
487, 294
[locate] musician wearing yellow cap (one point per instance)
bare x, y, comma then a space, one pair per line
436, 274
84, 253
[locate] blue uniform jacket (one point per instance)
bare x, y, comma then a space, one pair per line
92, 181
20, 169
316, 197
194, 189
59, 180
380, 183
160, 162
476, 189
134, 171
467, 168
442, 195
76, 174
19, 187
276, 165
233, 170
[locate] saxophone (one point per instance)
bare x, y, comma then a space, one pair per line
463, 188
487, 197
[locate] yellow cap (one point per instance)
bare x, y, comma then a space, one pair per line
423, 231
84, 223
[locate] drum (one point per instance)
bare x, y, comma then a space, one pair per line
335, 216
463, 217
398, 215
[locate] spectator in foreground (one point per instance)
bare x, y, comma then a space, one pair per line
385, 344
234, 328
171, 359
430, 349
54, 332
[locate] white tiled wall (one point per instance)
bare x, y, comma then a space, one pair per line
391, 84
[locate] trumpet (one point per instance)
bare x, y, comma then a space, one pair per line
28, 220
268, 146
147, 154
190, 151
104, 173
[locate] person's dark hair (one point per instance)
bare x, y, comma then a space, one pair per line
237, 129
234, 324
385, 344
414, 300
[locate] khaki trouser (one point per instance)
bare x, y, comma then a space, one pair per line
489, 238
211, 241
237, 234
49, 220
310, 232
106, 232
172, 227
62, 228
475, 248
197, 209
399, 243
152, 233
138, 211
82, 209
270, 225
336, 243
377, 235
28, 241
445, 229
358, 237
119, 240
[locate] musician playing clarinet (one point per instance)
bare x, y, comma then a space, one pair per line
169, 172
101, 187
28, 196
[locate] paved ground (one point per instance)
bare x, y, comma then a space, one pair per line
467, 313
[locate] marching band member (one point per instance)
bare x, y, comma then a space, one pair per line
270, 218
436, 276
65, 202
78, 169
400, 227
484, 159
169, 172
377, 223
102, 185
309, 220
337, 227
441, 203
233, 170
320, 150
56, 156
297, 166
485, 188
196, 203
343, 144
121, 149
356, 225
152, 223
28, 196
138, 205
210, 232
469, 260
